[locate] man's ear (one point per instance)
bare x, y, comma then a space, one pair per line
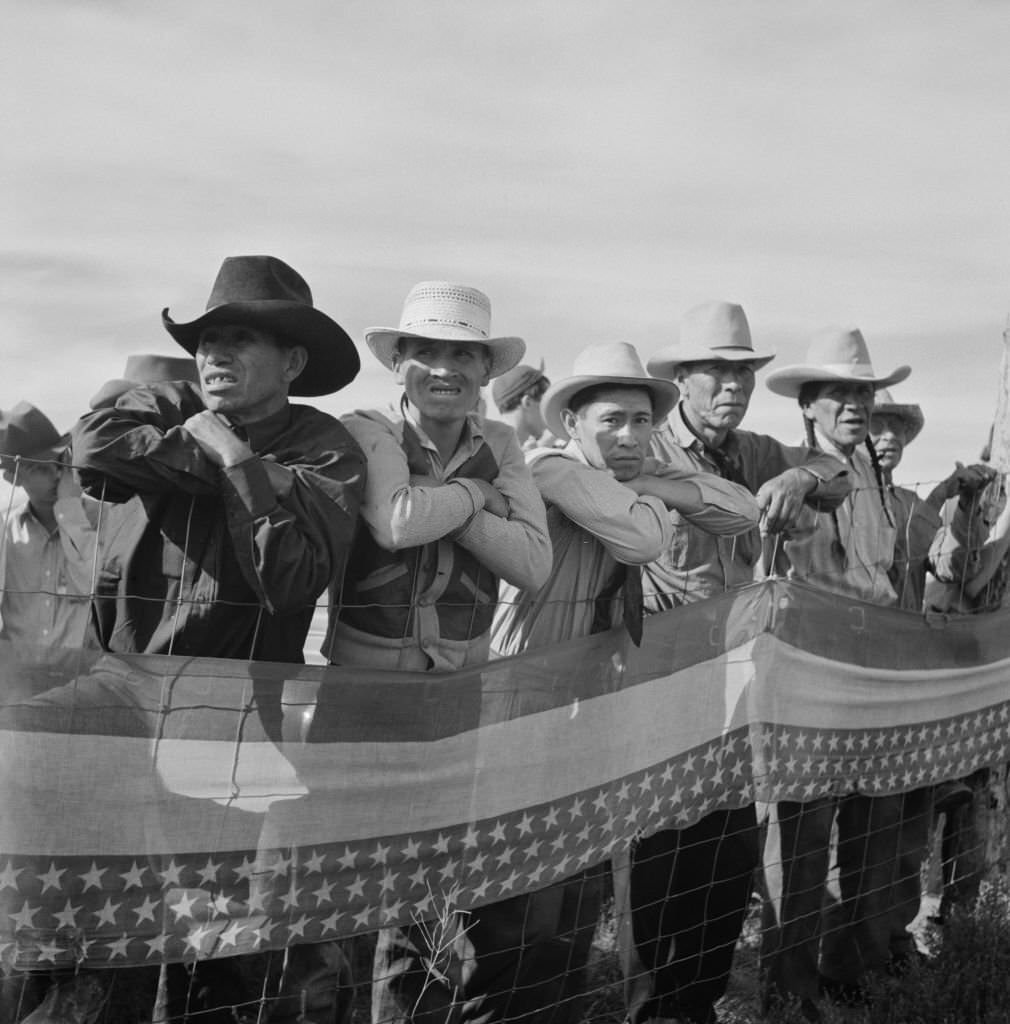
397, 364
570, 420
298, 358
8, 475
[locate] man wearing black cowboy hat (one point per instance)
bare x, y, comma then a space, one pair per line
227, 509
251, 498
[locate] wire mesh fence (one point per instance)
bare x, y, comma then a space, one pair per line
744, 811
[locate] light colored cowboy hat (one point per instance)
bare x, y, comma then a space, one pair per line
145, 369
515, 383
610, 363
445, 311
835, 354
27, 432
910, 415
264, 292
712, 331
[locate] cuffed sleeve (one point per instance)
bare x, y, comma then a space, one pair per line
402, 514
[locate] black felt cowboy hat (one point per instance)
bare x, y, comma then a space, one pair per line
264, 292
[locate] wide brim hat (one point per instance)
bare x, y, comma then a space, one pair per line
910, 415
711, 331
444, 311
835, 354
614, 363
265, 293
27, 432
145, 369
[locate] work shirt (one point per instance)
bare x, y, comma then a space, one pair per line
598, 527
916, 525
46, 578
955, 555
203, 560
855, 559
700, 564
404, 512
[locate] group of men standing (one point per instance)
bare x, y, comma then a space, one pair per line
446, 538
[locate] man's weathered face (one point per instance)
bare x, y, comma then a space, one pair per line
716, 393
40, 480
442, 379
889, 435
841, 412
244, 373
613, 430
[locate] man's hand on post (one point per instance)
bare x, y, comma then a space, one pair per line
781, 498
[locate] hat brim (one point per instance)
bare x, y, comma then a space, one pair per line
665, 395
789, 380
910, 414
506, 352
665, 362
333, 360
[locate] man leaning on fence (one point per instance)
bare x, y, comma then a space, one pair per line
609, 511
809, 949
684, 893
228, 511
449, 509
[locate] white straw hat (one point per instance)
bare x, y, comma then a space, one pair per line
446, 311
711, 331
610, 363
835, 354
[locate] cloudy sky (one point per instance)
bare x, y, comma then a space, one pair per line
596, 167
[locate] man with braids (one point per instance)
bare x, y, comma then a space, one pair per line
849, 551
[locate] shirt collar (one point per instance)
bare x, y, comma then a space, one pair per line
682, 433
262, 432
473, 431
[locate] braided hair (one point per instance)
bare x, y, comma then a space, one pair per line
837, 547
879, 474
808, 394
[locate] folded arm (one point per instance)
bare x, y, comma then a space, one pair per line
634, 528
292, 524
140, 445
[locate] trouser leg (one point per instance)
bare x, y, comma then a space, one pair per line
906, 893
963, 846
795, 868
857, 929
522, 959
684, 904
